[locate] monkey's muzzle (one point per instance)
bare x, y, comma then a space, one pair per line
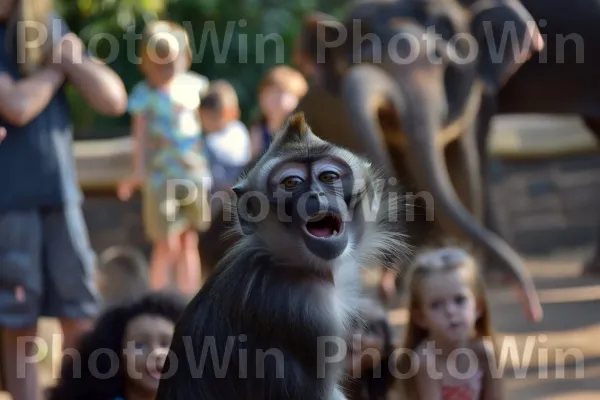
324, 225
324, 234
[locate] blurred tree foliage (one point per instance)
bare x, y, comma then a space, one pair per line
237, 40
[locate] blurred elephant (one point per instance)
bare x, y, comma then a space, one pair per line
561, 80
384, 85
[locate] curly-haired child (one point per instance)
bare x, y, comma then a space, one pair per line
370, 349
121, 358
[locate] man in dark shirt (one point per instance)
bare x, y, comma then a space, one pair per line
46, 262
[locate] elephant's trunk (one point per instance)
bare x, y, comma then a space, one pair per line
364, 90
425, 161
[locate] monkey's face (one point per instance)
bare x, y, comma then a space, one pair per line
303, 199
309, 198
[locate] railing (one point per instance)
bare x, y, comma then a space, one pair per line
536, 136
102, 162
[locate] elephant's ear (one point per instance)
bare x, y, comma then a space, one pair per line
315, 47
507, 35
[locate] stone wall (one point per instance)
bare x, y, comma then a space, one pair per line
543, 205
112, 222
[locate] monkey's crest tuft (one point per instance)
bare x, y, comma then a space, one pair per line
296, 128
298, 123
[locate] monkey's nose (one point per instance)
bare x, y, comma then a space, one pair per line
314, 205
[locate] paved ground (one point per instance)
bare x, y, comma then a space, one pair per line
564, 348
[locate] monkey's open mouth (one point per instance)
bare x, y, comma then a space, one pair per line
324, 226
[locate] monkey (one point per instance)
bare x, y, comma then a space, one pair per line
273, 319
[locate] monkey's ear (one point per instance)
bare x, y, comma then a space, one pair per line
243, 207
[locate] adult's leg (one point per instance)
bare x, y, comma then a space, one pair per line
20, 298
69, 264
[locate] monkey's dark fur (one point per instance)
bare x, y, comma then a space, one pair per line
252, 332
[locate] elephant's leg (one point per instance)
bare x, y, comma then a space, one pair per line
463, 165
593, 265
483, 130
462, 162
490, 218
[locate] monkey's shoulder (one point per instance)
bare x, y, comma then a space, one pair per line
218, 358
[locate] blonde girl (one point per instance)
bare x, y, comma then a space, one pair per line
449, 335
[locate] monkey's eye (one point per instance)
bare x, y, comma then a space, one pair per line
291, 182
329, 176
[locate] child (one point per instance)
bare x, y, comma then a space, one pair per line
169, 160
121, 358
369, 351
278, 95
448, 311
227, 139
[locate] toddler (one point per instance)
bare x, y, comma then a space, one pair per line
227, 139
122, 357
448, 314
169, 159
278, 95
368, 374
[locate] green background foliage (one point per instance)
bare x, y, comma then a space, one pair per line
231, 39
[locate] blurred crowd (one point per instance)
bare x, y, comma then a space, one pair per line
184, 127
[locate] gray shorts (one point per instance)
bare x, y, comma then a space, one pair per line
46, 251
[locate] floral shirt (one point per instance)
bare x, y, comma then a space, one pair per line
173, 141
